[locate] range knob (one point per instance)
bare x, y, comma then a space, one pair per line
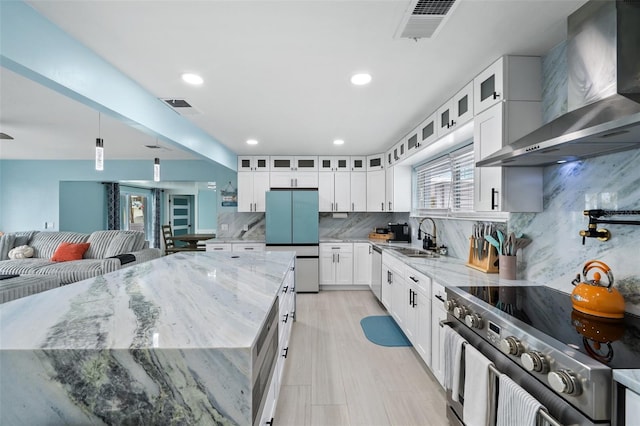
473, 320
564, 381
460, 312
535, 361
511, 346
449, 305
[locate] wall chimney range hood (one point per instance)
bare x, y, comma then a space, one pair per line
604, 92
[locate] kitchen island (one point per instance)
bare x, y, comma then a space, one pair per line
177, 340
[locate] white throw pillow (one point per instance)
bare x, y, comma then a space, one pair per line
20, 252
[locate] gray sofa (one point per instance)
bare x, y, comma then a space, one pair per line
108, 251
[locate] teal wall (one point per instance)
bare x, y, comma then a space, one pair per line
30, 190
82, 207
207, 213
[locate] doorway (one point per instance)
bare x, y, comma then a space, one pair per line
181, 214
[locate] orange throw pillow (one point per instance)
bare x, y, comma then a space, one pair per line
69, 251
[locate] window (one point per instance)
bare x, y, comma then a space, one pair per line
446, 183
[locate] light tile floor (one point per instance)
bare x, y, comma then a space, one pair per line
334, 376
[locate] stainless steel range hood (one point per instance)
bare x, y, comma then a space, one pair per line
604, 91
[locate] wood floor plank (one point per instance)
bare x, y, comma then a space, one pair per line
336, 376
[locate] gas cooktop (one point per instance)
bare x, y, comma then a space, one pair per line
615, 343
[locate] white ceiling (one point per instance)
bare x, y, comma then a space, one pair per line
276, 71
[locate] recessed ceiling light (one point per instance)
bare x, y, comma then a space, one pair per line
338, 142
192, 78
361, 79
252, 142
561, 161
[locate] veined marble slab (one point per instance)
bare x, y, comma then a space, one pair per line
167, 341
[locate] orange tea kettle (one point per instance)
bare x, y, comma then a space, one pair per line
591, 297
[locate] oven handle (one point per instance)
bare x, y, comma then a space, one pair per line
542, 412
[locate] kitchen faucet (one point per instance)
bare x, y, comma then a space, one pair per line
428, 243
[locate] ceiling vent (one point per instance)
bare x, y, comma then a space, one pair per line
181, 106
423, 18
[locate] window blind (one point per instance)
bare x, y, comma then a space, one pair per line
446, 183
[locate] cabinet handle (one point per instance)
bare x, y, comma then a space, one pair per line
389, 205
410, 297
286, 352
440, 298
285, 288
286, 318
494, 205
414, 299
369, 249
382, 206
336, 206
496, 95
338, 257
353, 207
414, 279
331, 206
333, 258
388, 277
270, 422
453, 123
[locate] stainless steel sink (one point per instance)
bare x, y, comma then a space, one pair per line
414, 252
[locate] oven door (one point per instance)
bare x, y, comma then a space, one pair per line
557, 407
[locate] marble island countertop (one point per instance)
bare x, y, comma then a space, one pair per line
169, 341
166, 303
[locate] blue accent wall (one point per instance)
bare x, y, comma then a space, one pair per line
30, 190
82, 206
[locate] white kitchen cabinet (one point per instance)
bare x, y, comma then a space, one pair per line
418, 317
293, 179
358, 184
456, 112
362, 260
376, 193
438, 313
253, 163
358, 163
333, 164
505, 189
336, 264
334, 191
631, 407
427, 131
252, 187
510, 78
375, 162
398, 188
247, 247
218, 247
293, 172
392, 277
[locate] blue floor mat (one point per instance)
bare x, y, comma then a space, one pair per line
383, 330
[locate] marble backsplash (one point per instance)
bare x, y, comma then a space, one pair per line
556, 255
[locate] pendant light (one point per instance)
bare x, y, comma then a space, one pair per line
156, 170
99, 149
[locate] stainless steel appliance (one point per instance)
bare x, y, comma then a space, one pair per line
292, 225
376, 272
561, 357
603, 96
401, 232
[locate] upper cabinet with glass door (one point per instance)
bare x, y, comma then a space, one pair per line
294, 163
358, 163
456, 111
375, 162
333, 164
253, 163
510, 78
423, 135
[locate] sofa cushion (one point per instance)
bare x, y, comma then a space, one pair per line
7, 242
69, 251
121, 244
23, 237
101, 243
45, 243
75, 270
23, 266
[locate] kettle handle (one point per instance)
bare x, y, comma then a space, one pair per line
596, 264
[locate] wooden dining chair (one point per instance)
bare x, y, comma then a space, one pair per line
169, 246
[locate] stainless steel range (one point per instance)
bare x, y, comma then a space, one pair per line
560, 356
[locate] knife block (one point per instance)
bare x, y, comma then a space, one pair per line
489, 263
